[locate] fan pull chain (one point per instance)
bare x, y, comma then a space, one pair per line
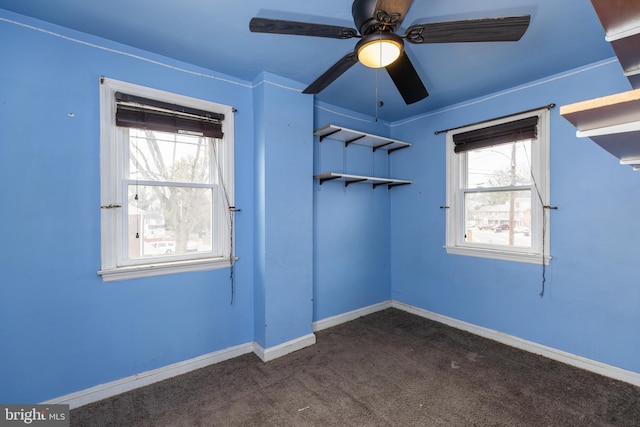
377, 71
378, 81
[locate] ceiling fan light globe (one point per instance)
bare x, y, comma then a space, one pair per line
379, 50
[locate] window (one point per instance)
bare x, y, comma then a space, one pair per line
166, 169
498, 187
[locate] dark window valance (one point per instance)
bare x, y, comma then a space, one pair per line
517, 130
138, 112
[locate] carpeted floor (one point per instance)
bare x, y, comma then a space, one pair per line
387, 369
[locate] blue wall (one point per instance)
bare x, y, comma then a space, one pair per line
284, 212
351, 225
61, 328
591, 306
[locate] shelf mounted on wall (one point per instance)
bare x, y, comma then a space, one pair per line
352, 179
613, 121
349, 136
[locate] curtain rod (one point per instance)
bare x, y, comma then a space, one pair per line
548, 107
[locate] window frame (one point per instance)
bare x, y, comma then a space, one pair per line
114, 198
456, 167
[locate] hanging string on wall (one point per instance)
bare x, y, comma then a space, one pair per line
232, 211
544, 232
137, 216
136, 198
544, 226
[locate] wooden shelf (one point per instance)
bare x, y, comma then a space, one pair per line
613, 122
353, 179
349, 136
606, 111
621, 22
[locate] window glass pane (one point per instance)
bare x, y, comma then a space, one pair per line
163, 156
498, 218
504, 165
167, 221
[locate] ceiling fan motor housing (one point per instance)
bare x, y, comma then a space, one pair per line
364, 16
377, 22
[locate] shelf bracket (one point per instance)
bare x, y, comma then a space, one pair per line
330, 178
377, 184
353, 181
395, 184
350, 141
382, 146
327, 135
396, 149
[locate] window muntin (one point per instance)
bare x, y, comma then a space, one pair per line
167, 193
496, 195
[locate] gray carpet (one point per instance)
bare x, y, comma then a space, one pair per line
387, 369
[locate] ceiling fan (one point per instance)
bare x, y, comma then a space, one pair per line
380, 47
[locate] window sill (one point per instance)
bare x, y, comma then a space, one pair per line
150, 270
499, 255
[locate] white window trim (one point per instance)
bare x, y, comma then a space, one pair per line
455, 243
111, 189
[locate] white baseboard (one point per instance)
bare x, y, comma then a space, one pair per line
330, 322
114, 388
532, 347
285, 348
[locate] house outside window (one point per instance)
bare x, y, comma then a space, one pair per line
166, 182
498, 188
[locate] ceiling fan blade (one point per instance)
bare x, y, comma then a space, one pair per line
407, 80
505, 28
332, 73
278, 26
392, 12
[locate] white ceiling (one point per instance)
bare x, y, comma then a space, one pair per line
214, 34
